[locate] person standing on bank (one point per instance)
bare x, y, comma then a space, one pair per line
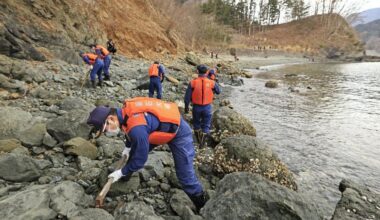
103, 53
201, 93
156, 77
97, 66
147, 123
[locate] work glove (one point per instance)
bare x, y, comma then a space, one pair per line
90, 67
186, 109
116, 175
126, 151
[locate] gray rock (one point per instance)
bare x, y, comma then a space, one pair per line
73, 124
250, 196
192, 59
93, 214
179, 203
357, 202
111, 146
271, 84
8, 145
165, 187
74, 103
154, 167
18, 168
228, 122
45, 202
13, 120
247, 153
49, 140
33, 136
137, 211
80, 147
20, 150
91, 169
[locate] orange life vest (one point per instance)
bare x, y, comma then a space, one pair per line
202, 91
167, 112
153, 70
211, 76
92, 57
103, 50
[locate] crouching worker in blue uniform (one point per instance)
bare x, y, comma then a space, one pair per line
201, 93
97, 67
156, 77
147, 123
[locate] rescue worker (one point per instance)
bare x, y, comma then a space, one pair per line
111, 46
211, 73
97, 66
147, 123
156, 77
106, 56
201, 93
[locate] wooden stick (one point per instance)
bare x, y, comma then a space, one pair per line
99, 201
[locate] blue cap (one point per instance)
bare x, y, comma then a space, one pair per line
98, 117
202, 69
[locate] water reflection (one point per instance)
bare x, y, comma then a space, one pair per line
323, 121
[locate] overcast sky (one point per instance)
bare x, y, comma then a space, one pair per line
369, 4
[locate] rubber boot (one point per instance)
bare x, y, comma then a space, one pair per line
107, 78
100, 83
199, 200
198, 135
93, 84
203, 139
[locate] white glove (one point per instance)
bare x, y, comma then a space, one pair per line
90, 67
126, 151
116, 175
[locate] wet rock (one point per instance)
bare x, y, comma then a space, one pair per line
80, 147
93, 214
136, 210
33, 136
247, 153
18, 168
111, 147
179, 201
192, 59
357, 202
73, 124
8, 145
228, 122
271, 84
256, 198
13, 120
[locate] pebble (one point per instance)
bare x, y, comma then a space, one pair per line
149, 200
165, 187
83, 183
153, 183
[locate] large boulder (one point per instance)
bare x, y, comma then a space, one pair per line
70, 125
155, 165
13, 120
33, 136
73, 103
247, 153
192, 59
136, 210
93, 214
111, 147
250, 196
271, 84
80, 147
357, 202
18, 168
8, 145
45, 202
227, 122
180, 203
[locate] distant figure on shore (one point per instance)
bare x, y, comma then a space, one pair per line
103, 53
236, 58
96, 66
212, 54
216, 55
156, 77
111, 46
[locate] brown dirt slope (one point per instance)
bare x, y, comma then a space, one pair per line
312, 35
40, 30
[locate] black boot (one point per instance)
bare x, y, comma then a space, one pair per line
100, 83
93, 84
197, 134
203, 140
199, 200
107, 78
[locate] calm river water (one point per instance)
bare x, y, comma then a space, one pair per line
324, 133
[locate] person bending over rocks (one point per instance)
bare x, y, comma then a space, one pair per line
97, 65
147, 123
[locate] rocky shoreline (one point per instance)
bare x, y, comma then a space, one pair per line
49, 170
